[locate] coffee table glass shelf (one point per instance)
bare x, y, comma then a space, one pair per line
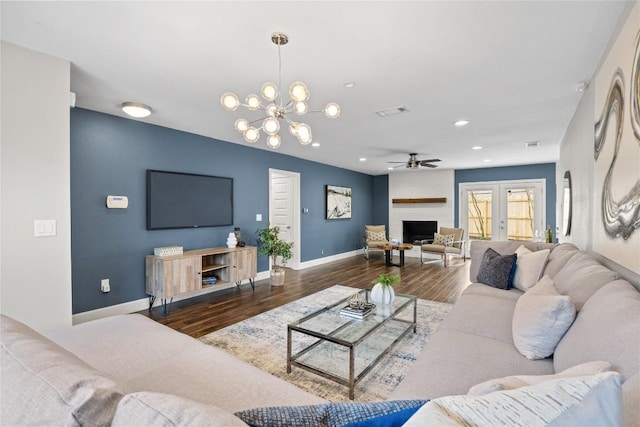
344, 349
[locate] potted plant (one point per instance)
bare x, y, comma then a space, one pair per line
270, 244
382, 292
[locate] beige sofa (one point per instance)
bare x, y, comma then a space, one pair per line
129, 370
475, 342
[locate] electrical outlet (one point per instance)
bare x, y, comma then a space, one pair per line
104, 285
322, 252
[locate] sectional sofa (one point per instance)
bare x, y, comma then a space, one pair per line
130, 370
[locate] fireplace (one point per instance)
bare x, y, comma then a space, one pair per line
418, 230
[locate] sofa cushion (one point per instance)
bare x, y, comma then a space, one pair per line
497, 270
516, 381
591, 400
529, 267
389, 413
581, 277
43, 384
558, 257
607, 328
158, 409
540, 319
505, 247
630, 399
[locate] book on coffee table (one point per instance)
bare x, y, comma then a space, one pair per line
358, 312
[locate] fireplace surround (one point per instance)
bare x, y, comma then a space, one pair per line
413, 231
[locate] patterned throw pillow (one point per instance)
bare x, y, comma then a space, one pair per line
375, 236
497, 270
443, 239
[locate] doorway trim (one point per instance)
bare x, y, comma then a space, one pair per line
295, 206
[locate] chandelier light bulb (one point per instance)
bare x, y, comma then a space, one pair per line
251, 135
271, 125
293, 129
269, 91
229, 101
301, 108
271, 109
304, 134
273, 141
253, 102
298, 91
332, 110
241, 125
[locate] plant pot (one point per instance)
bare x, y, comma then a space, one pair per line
382, 295
277, 277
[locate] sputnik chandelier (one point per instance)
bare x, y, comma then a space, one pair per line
276, 108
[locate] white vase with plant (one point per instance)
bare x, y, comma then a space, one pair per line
382, 292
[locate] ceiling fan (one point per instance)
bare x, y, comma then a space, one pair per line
415, 163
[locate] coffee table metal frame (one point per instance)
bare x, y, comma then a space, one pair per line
362, 329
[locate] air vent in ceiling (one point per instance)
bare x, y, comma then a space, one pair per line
531, 144
392, 111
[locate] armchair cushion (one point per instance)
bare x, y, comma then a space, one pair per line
375, 234
443, 239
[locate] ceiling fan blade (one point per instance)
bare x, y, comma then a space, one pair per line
428, 165
424, 162
396, 162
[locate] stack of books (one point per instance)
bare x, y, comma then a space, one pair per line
358, 312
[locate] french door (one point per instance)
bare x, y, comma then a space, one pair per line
503, 210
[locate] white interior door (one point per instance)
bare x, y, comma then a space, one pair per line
284, 202
505, 210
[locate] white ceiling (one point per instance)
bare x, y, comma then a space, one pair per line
511, 68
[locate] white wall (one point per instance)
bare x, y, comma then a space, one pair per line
420, 184
35, 273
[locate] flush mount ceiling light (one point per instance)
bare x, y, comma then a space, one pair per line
277, 108
136, 109
460, 123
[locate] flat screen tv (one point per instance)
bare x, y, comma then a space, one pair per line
185, 200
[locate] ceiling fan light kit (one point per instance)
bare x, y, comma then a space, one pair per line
276, 108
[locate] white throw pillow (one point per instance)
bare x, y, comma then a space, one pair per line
529, 267
594, 400
540, 320
517, 381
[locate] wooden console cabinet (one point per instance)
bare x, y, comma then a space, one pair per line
169, 276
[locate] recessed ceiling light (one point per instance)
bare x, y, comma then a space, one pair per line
390, 168
486, 160
363, 159
477, 147
461, 123
315, 145
349, 84
136, 109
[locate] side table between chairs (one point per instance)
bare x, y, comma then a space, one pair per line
388, 256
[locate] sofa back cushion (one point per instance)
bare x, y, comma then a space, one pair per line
558, 257
581, 277
607, 328
43, 384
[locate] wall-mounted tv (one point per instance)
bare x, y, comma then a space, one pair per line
185, 200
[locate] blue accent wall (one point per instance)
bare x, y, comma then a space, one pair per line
381, 200
545, 171
110, 155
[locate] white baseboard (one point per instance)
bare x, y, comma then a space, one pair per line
143, 304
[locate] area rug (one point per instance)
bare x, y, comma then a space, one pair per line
262, 341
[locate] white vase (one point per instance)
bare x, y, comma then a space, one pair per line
382, 295
232, 242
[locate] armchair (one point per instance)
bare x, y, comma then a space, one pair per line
449, 241
374, 235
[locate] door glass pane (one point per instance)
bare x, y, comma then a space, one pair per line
479, 214
520, 204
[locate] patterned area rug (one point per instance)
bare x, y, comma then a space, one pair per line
262, 341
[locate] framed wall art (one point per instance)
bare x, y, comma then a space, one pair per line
338, 202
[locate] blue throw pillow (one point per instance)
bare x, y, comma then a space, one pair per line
372, 414
497, 270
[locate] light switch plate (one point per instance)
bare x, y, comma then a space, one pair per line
258, 217
44, 227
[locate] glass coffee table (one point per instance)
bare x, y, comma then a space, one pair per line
344, 349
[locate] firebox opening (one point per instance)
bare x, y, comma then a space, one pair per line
413, 231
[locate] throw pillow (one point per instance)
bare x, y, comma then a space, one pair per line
376, 236
517, 381
497, 270
529, 267
389, 413
443, 239
158, 409
588, 400
540, 320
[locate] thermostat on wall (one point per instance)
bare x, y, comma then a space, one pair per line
117, 202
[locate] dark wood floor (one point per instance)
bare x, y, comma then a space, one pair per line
207, 313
